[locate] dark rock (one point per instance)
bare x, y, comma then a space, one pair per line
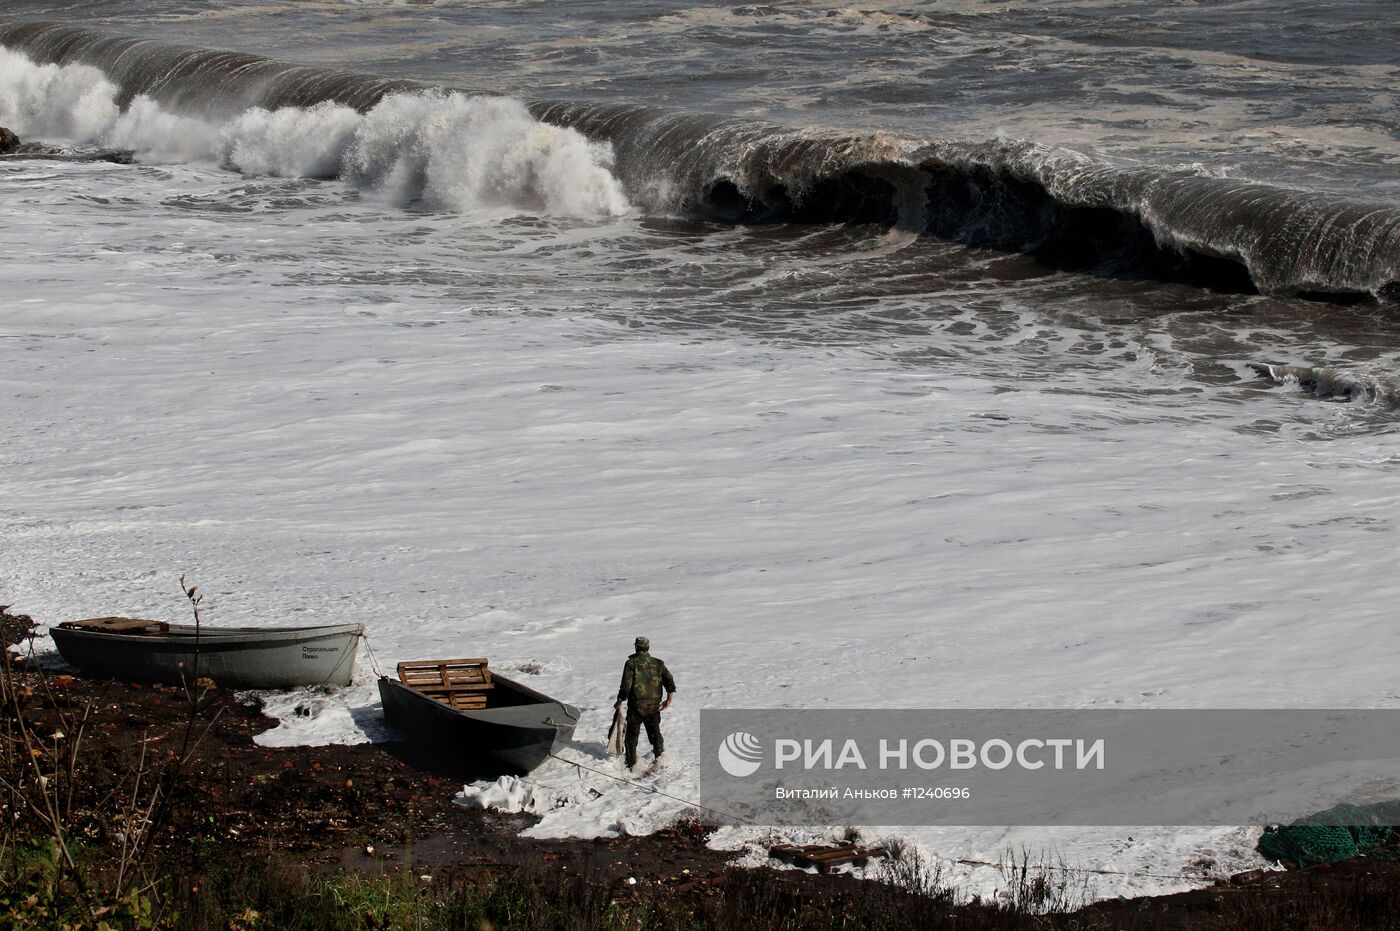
115, 156
38, 150
1250, 876
12, 147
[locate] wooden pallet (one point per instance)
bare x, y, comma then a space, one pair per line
119, 625
457, 683
825, 856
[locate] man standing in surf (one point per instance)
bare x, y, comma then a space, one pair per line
643, 679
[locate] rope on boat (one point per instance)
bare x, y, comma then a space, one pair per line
641, 785
966, 862
1076, 869
372, 660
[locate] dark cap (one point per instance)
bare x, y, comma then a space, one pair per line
642, 644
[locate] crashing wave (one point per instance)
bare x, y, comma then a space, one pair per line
1333, 383
445, 150
1071, 210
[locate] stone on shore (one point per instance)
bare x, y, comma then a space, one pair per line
13, 147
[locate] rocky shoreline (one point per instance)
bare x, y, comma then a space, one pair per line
361, 810
12, 148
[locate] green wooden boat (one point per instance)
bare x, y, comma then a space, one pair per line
467, 721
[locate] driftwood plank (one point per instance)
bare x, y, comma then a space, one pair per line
824, 856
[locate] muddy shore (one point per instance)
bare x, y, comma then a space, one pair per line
362, 809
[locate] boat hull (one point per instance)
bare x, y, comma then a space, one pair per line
239, 658
511, 739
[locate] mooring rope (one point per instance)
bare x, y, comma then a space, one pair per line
642, 785
379, 673
1071, 869
965, 861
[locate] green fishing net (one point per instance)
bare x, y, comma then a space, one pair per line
1338, 833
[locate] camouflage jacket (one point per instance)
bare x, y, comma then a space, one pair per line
643, 678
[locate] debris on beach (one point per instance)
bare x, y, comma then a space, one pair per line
825, 856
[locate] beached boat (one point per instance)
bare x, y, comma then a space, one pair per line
465, 720
137, 650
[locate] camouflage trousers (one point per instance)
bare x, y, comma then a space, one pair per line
637, 716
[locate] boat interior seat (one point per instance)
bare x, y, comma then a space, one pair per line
464, 701
119, 625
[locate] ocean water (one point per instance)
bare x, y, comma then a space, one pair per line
893, 354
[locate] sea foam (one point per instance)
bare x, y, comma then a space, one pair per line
445, 150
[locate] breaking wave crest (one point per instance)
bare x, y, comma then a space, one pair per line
446, 150
1325, 382
1072, 210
